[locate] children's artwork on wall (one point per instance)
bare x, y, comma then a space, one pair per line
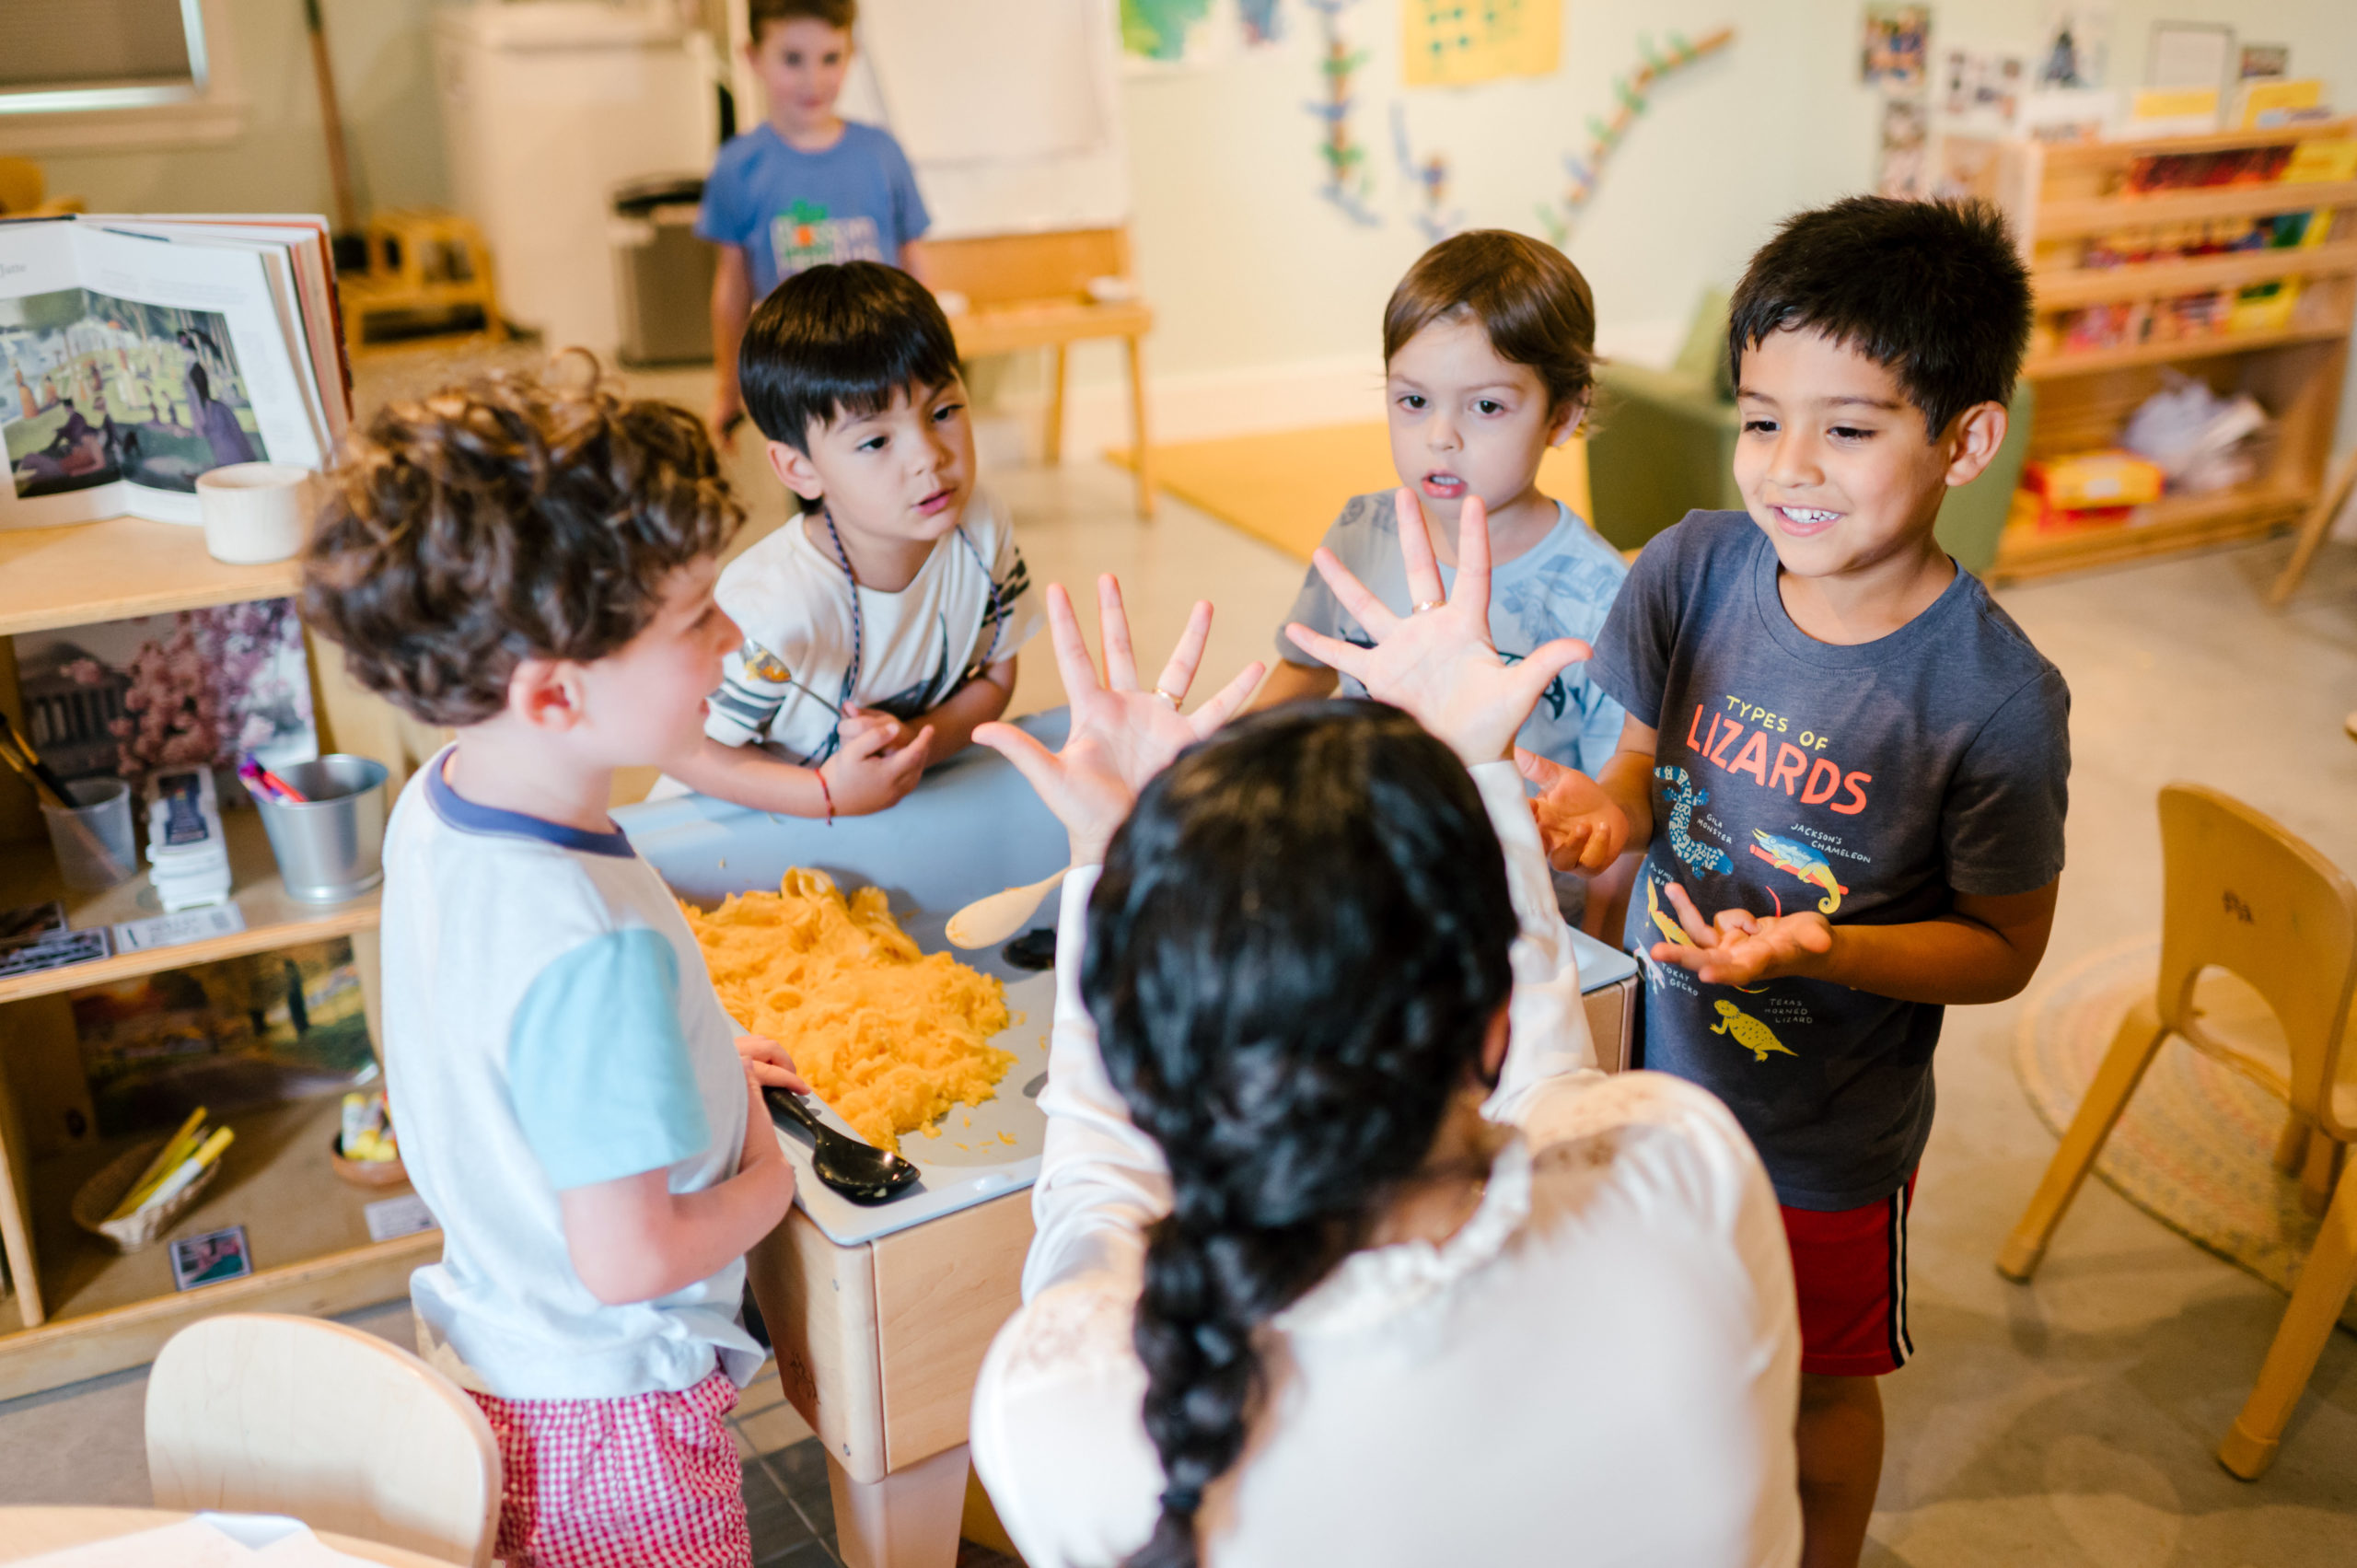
1427, 175
1455, 43
1893, 53
95, 390
227, 1036
2264, 62
120, 699
1981, 91
1349, 182
1630, 94
1166, 34
1902, 168
2077, 43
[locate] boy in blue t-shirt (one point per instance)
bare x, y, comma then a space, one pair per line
804, 186
1847, 764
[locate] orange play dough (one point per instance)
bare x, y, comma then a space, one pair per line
888, 1036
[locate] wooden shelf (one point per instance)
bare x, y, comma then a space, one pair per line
2177, 523
2065, 287
82, 573
2106, 215
2096, 154
2057, 363
306, 1228
273, 918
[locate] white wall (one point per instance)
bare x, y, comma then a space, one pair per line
1267, 294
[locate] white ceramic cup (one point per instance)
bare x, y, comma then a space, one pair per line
254, 512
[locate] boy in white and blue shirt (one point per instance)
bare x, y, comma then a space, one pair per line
574, 1107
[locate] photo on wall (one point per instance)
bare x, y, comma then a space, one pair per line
95, 390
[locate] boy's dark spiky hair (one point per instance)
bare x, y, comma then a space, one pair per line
1933, 290
840, 341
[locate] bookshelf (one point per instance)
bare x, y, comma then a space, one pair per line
2062, 201
74, 1308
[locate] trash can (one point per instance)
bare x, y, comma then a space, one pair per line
662, 271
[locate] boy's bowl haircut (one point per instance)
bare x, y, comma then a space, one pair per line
1535, 307
514, 516
1934, 292
840, 341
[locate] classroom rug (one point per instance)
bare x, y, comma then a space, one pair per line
2195, 1147
1286, 486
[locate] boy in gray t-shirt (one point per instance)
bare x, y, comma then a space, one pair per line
1848, 766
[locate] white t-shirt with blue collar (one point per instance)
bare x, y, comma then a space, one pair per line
549, 1024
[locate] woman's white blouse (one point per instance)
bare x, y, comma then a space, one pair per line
1601, 1367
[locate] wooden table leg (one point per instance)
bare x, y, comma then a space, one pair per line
1139, 445
909, 1519
1052, 444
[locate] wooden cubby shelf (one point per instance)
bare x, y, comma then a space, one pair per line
2059, 200
74, 1308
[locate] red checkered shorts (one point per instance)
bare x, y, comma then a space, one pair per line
616, 1483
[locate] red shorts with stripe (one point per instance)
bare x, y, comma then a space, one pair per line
1850, 1267
615, 1484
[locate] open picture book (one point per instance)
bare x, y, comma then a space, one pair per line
136, 352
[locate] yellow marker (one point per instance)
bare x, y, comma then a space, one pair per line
188, 1170
167, 1159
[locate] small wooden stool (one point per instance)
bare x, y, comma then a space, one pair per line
429, 271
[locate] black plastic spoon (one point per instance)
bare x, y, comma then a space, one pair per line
861, 1172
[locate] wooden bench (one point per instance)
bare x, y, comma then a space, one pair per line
1032, 291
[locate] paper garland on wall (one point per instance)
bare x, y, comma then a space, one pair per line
1428, 176
1348, 181
1630, 92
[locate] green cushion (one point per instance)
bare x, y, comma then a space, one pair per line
1705, 354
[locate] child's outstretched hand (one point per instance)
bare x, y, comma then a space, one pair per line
1438, 662
1581, 827
868, 773
1743, 949
1121, 736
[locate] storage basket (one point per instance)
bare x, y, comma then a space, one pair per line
99, 1196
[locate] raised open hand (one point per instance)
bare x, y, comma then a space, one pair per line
1437, 662
1742, 949
1121, 736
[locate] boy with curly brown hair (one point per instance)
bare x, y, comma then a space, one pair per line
532, 564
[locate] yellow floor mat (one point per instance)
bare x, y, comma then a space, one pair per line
1286, 486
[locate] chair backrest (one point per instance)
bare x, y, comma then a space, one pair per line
258, 1412
2239, 892
1024, 269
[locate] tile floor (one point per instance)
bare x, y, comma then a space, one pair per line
2069, 1423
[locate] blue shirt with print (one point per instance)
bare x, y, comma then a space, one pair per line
855, 202
1562, 586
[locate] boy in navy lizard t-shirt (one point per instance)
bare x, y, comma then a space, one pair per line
1848, 764
805, 187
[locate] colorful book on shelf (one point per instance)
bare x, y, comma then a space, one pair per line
138, 351
126, 699
229, 1035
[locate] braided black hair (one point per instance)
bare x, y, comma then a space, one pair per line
1294, 954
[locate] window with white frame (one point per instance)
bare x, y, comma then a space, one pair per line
66, 56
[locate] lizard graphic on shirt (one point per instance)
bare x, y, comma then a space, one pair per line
1697, 855
1791, 854
1748, 1032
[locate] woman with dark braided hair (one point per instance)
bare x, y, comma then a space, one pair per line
1345, 1253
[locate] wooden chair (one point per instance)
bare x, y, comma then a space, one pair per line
2313, 527
2240, 893
260, 1412
1032, 291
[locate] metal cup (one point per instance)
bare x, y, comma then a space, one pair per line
331, 845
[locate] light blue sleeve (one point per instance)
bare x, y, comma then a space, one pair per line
598, 1065
910, 219
721, 215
